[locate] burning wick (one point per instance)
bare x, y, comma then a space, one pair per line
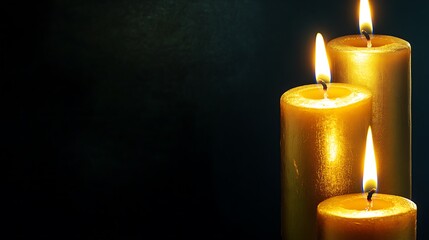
370, 193
325, 87
368, 38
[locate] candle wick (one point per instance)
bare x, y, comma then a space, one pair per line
325, 87
370, 193
368, 38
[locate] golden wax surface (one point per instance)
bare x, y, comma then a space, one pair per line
345, 217
381, 44
385, 69
322, 150
337, 96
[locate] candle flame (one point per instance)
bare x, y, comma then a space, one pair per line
322, 65
365, 22
370, 169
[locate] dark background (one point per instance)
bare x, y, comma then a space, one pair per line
160, 119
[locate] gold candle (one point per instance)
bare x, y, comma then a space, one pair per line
322, 147
385, 69
356, 216
345, 217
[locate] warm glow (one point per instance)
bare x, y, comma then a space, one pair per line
370, 169
365, 22
322, 64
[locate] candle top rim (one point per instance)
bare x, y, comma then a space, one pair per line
396, 205
380, 44
350, 95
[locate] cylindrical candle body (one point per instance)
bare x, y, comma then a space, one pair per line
385, 69
346, 218
322, 150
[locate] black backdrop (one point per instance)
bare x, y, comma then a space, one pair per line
160, 119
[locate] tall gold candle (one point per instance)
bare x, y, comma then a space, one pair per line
322, 147
385, 69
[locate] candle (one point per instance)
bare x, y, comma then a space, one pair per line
322, 144
345, 217
385, 69
356, 216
